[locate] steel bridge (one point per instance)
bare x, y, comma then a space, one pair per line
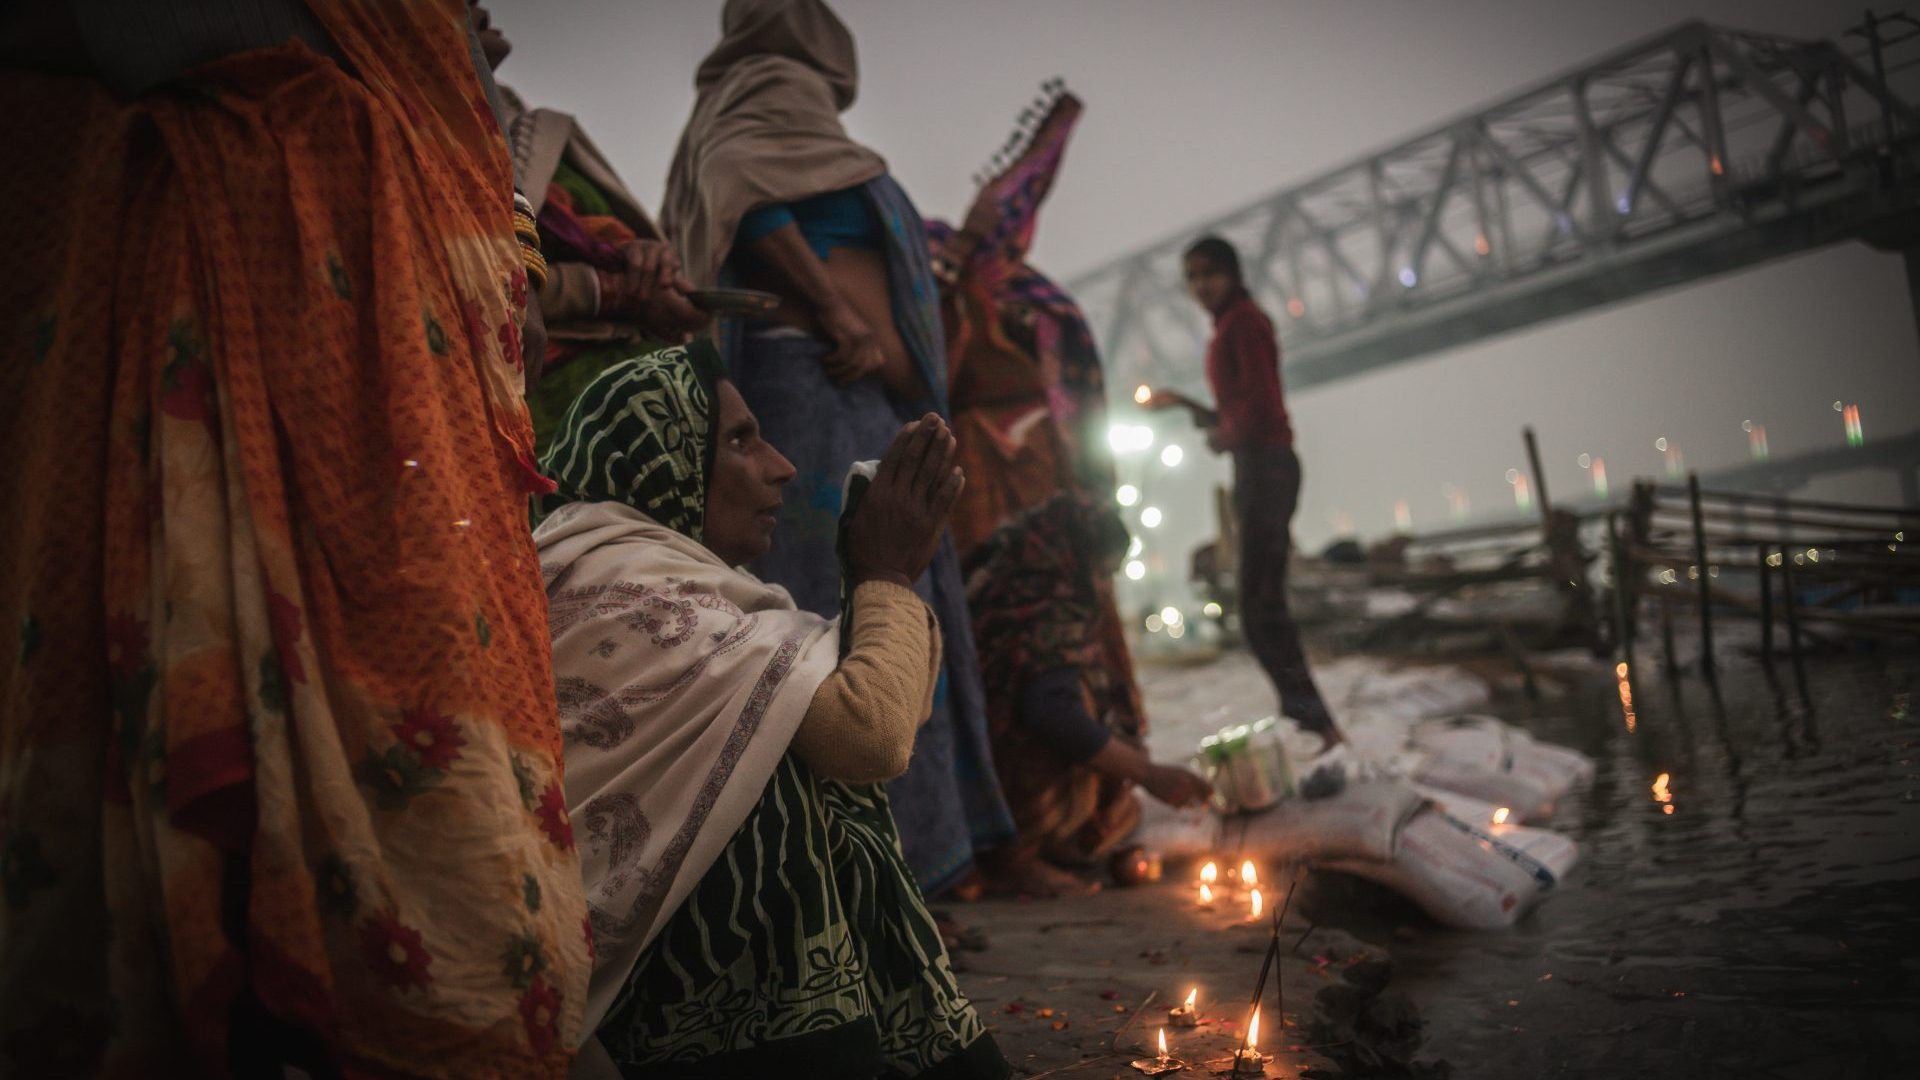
1694, 152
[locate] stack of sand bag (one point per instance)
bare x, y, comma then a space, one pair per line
1426, 797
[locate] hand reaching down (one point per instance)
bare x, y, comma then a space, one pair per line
1177, 787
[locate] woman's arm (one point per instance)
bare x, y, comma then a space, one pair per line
1054, 710
863, 719
857, 352
571, 292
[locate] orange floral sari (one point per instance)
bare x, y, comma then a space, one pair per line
279, 758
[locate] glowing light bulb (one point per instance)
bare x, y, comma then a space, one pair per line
1150, 517
1172, 455
1126, 495
1136, 570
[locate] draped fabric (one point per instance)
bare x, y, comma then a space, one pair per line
805, 952
750, 919
641, 433
681, 682
1038, 606
948, 802
277, 731
765, 126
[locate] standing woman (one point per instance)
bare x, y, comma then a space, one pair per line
279, 752
767, 190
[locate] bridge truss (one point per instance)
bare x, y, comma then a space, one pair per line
1694, 152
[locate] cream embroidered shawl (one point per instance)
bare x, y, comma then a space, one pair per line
681, 683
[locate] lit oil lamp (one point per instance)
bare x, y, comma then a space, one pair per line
1209, 874
1254, 903
1248, 876
1161, 1065
1249, 1056
1186, 1014
1206, 895
1500, 816
1661, 794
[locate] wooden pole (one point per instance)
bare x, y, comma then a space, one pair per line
1702, 576
1666, 635
1622, 598
1539, 476
1766, 607
1793, 619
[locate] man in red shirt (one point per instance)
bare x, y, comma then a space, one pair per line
1250, 423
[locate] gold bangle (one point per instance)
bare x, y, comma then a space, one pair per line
535, 263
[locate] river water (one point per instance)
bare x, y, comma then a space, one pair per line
1764, 921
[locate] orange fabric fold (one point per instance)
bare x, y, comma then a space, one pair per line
277, 729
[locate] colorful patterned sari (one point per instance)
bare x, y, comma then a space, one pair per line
1039, 608
1028, 394
279, 756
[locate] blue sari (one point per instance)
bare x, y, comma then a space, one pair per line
948, 803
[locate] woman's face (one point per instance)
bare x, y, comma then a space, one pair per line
744, 492
1209, 283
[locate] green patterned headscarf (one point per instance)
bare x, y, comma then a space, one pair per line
641, 433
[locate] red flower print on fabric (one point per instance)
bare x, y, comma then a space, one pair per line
510, 344
186, 382
553, 816
284, 614
394, 951
431, 734
517, 289
540, 1012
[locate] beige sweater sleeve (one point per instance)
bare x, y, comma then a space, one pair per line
861, 724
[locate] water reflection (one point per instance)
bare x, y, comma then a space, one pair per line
1781, 903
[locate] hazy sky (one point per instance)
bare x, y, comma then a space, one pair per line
1198, 106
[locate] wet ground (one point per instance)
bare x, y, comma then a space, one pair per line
1761, 922
1766, 926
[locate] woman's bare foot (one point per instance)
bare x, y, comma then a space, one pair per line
1027, 874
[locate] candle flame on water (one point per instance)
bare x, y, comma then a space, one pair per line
1247, 874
